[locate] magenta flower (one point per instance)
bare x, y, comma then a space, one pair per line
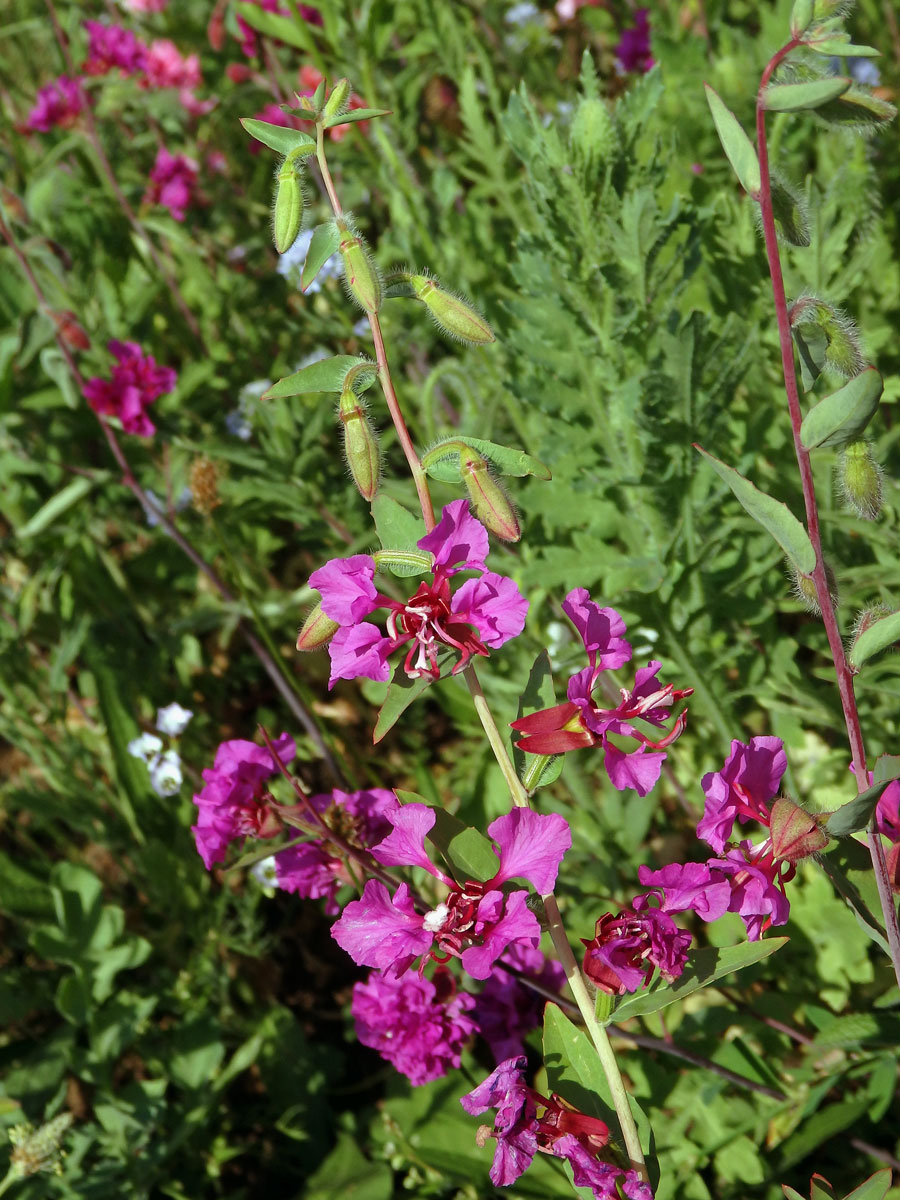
507, 1009
627, 949
172, 182
235, 803
582, 722
418, 1025
58, 103
749, 779
476, 921
111, 46
135, 384
312, 16
316, 869
485, 611
165, 66
633, 50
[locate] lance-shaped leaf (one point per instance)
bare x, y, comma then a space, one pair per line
840, 46
875, 1187
841, 417
877, 637
323, 243
324, 376
467, 852
284, 29
858, 109
396, 526
737, 146
357, 114
849, 867
442, 461
404, 563
704, 967
774, 516
402, 691
856, 813
794, 97
277, 137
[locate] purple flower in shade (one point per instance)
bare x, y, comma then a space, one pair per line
582, 722
485, 611
235, 802
172, 182
607, 1182
111, 46
58, 103
136, 382
633, 50
749, 779
316, 868
507, 1009
418, 1025
475, 922
627, 949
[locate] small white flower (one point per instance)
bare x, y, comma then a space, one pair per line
173, 719
165, 774
145, 747
265, 872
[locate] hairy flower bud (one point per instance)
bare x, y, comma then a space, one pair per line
859, 480
287, 215
867, 617
203, 481
451, 313
805, 589
812, 318
795, 833
335, 103
360, 443
790, 213
317, 630
360, 272
489, 501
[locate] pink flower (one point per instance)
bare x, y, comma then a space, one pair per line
145, 6
477, 920
749, 779
234, 802
166, 67
111, 46
582, 722
172, 182
507, 1009
136, 382
418, 1025
486, 611
628, 948
58, 103
312, 16
315, 869
633, 50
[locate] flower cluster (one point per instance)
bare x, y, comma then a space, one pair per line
581, 721
135, 384
112, 46
627, 949
173, 180
164, 765
484, 612
58, 104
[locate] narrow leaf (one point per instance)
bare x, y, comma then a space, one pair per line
401, 693
874, 1188
841, 417
284, 29
326, 375
56, 506
324, 242
794, 97
357, 114
836, 47
876, 638
738, 148
856, 813
774, 516
441, 462
277, 137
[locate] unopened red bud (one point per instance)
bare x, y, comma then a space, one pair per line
795, 833
335, 103
490, 503
70, 331
287, 216
317, 630
360, 444
360, 272
452, 313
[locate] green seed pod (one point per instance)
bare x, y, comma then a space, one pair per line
805, 589
813, 319
790, 213
360, 443
451, 313
360, 272
287, 216
317, 630
334, 105
490, 503
859, 480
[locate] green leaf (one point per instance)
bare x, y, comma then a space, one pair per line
346, 1172
849, 867
837, 47
737, 146
278, 137
467, 852
121, 728
841, 417
395, 525
704, 967
887, 767
876, 638
537, 770
774, 516
794, 97
874, 1188
856, 813
802, 14
327, 375
284, 29
325, 241
442, 461
357, 114
56, 506
404, 563
401, 692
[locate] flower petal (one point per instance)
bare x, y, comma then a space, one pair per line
359, 651
599, 628
378, 931
530, 846
405, 845
347, 588
458, 540
494, 605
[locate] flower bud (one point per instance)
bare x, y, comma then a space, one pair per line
317, 630
490, 503
801, 17
360, 272
859, 480
287, 215
805, 589
795, 833
451, 313
203, 480
790, 213
867, 617
334, 105
70, 330
843, 351
360, 443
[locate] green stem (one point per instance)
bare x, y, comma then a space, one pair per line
11, 1176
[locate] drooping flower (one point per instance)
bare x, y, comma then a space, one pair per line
628, 948
165, 774
475, 921
111, 46
749, 779
135, 384
484, 612
506, 1008
582, 722
235, 802
173, 179
633, 50
145, 747
317, 868
418, 1025
57, 103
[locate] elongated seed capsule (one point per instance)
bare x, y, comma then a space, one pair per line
288, 212
490, 503
360, 444
452, 314
334, 105
317, 630
360, 272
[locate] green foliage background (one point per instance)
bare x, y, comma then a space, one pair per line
197, 1026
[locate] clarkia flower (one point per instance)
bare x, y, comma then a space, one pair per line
475, 921
484, 612
748, 781
506, 1009
58, 103
582, 722
173, 180
111, 46
165, 66
418, 1025
136, 382
626, 949
235, 802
